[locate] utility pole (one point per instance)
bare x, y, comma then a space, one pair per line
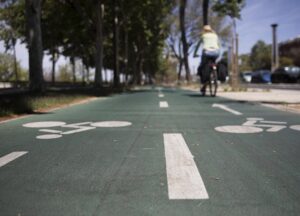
234, 59
275, 58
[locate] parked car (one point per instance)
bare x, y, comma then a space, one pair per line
246, 76
286, 75
261, 76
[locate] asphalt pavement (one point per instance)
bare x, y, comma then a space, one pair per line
152, 151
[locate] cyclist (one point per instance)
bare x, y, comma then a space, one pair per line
210, 50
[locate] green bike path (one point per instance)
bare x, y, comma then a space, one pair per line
123, 171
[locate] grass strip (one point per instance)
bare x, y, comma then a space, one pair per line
28, 104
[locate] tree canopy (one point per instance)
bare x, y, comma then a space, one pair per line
260, 57
104, 34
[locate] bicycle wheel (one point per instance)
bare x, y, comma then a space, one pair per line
213, 83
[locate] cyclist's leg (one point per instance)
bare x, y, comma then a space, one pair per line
203, 89
204, 72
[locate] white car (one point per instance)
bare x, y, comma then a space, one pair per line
246, 76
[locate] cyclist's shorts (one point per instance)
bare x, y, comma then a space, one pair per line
211, 53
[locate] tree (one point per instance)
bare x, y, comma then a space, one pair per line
184, 39
89, 17
99, 43
64, 73
116, 42
205, 7
232, 8
53, 13
167, 72
6, 67
191, 24
72, 28
10, 14
244, 62
193, 29
260, 57
35, 46
142, 21
286, 61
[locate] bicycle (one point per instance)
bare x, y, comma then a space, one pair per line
256, 125
212, 80
73, 128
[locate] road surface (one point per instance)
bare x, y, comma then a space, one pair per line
155, 151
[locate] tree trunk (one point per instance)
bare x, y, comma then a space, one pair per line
136, 68
35, 46
205, 5
83, 72
15, 63
53, 66
126, 56
87, 74
99, 45
73, 69
183, 38
105, 75
139, 70
116, 45
179, 72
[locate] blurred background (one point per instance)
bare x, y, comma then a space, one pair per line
105, 43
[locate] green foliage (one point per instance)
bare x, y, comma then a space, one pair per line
286, 61
69, 28
260, 57
12, 21
244, 63
22, 73
20, 104
65, 73
230, 8
194, 26
7, 69
49, 101
167, 72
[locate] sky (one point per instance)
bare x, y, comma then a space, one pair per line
257, 17
255, 24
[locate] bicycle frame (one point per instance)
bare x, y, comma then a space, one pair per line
213, 78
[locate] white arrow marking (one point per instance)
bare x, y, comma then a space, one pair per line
227, 109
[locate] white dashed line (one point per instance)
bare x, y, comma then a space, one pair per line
184, 179
163, 104
161, 95
10, 157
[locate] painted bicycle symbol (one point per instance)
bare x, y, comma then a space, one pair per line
76, 127
256, 125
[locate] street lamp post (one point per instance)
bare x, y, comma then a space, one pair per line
275, 58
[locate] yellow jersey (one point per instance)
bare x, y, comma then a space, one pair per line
210, 41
